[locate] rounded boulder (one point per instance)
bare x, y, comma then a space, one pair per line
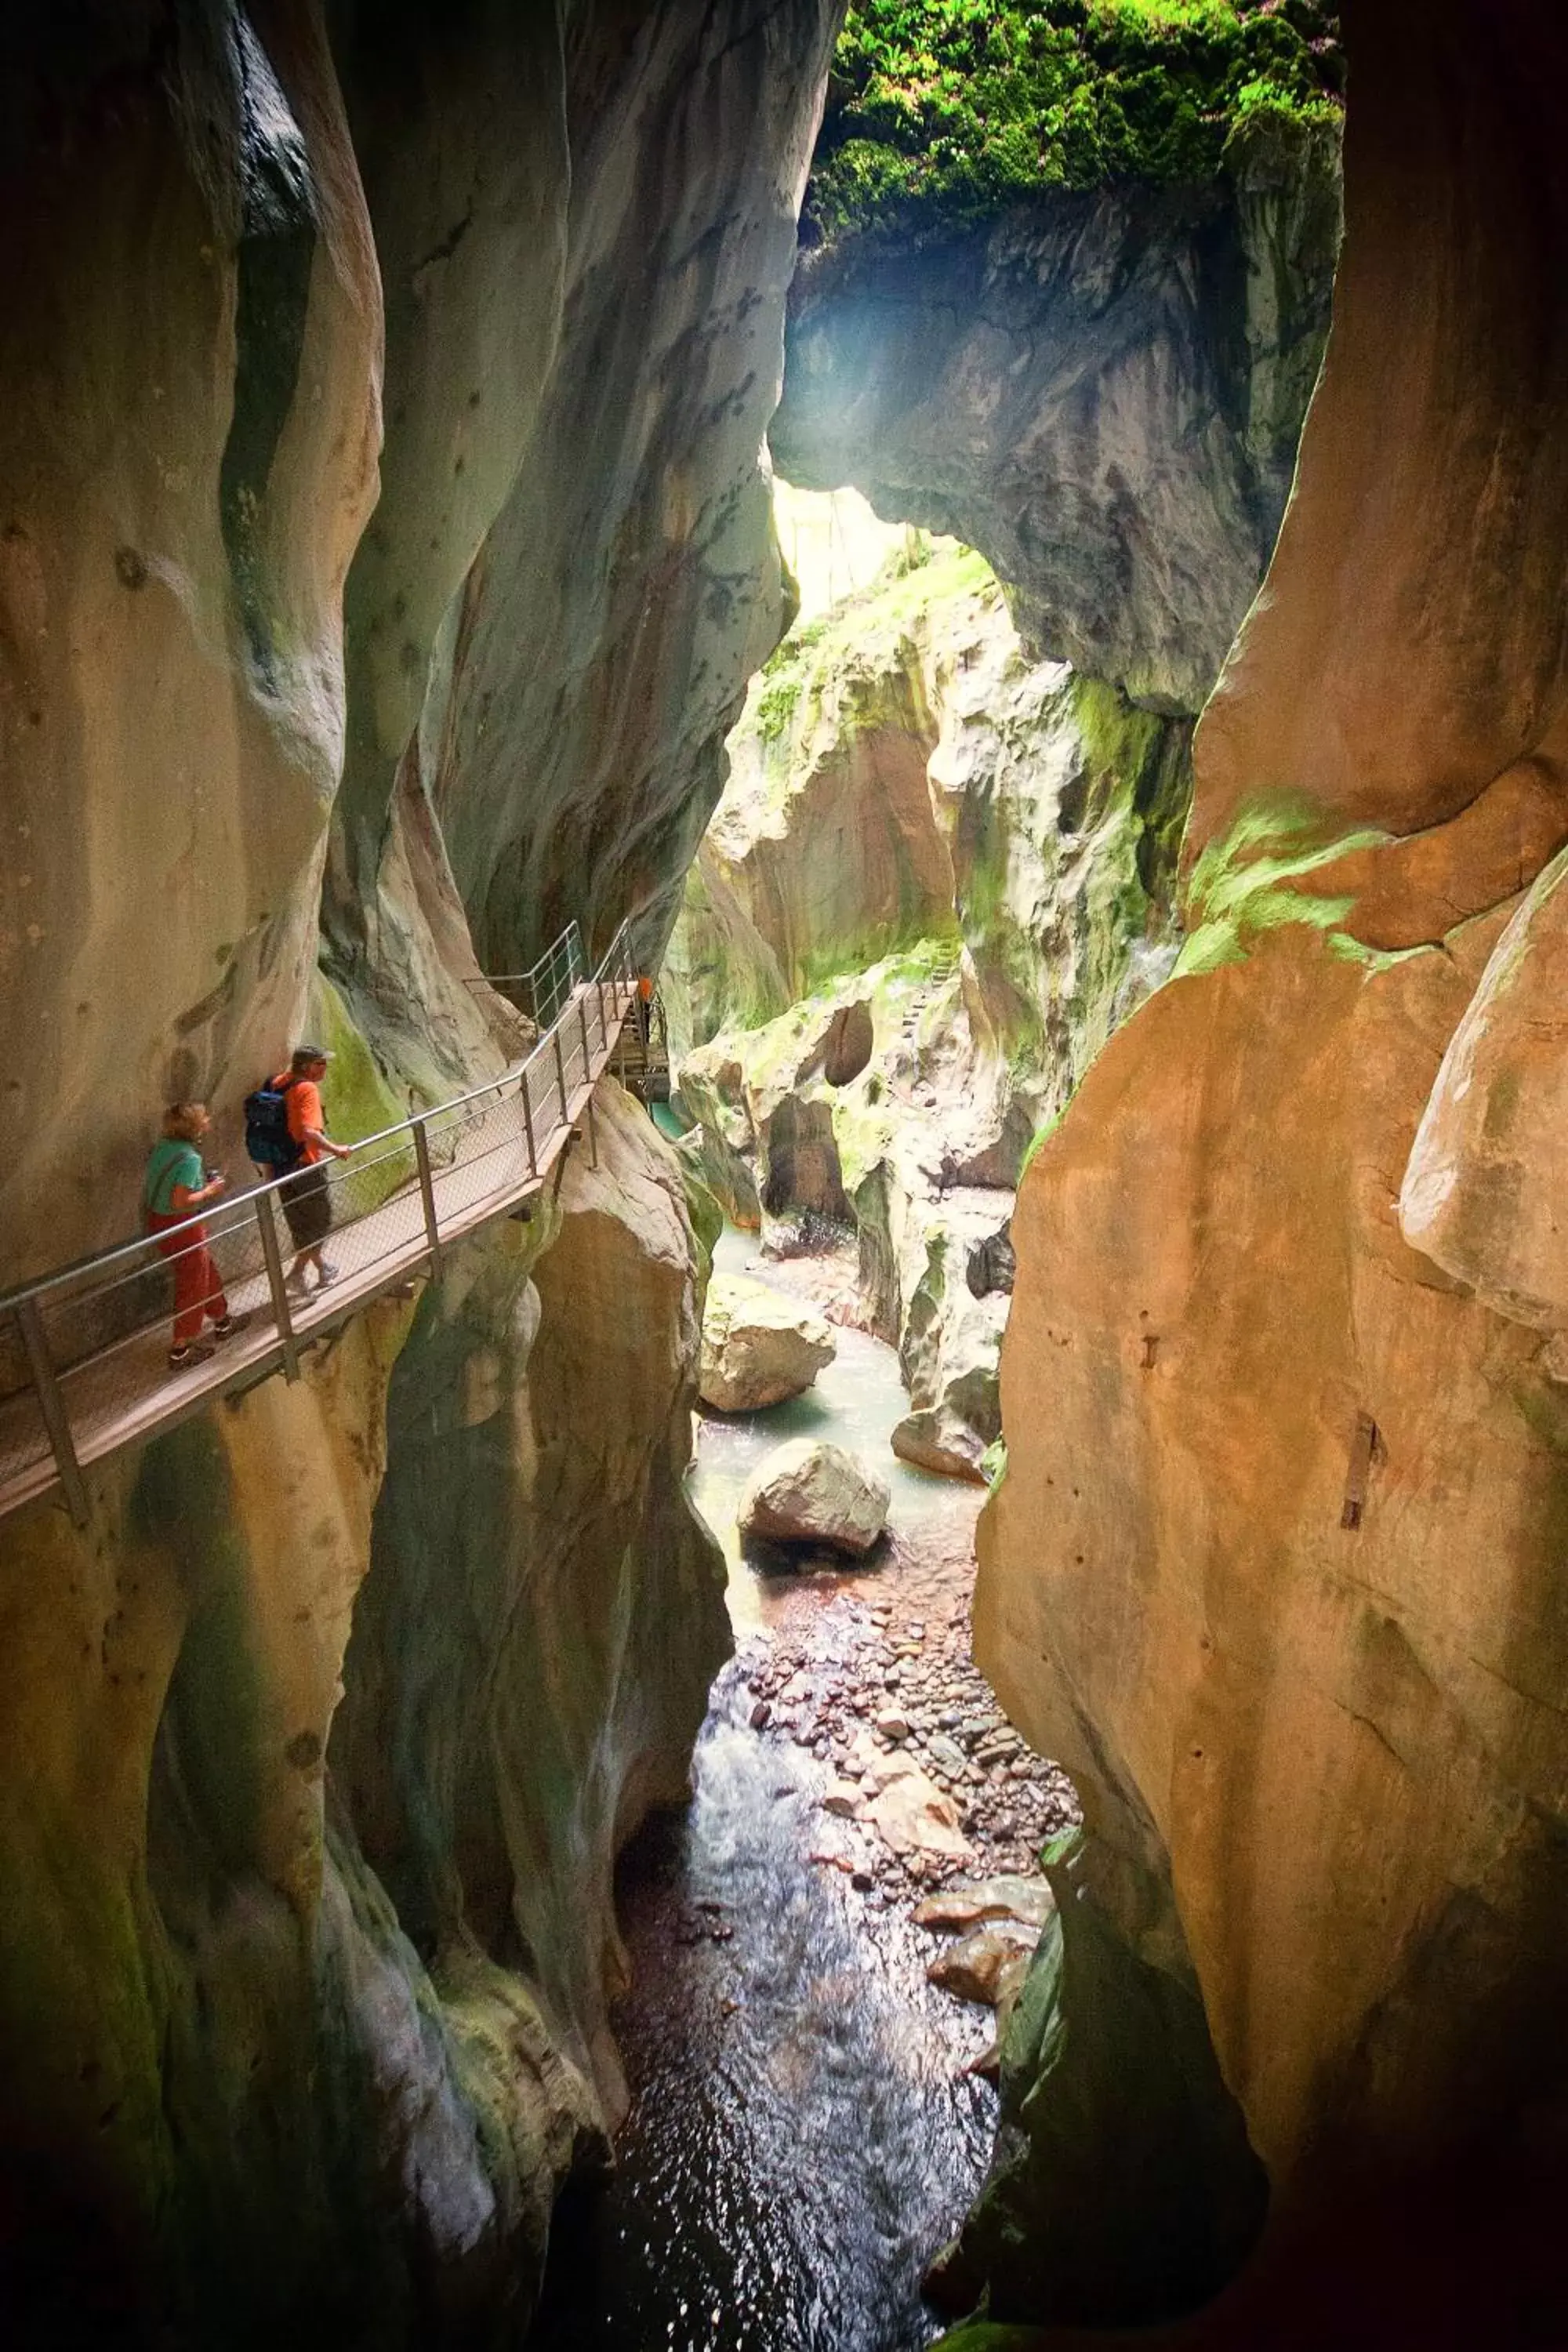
810, 1492
758, 1347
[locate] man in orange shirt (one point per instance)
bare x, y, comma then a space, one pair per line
307, 1203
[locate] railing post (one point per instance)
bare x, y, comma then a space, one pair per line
52, 1405
272, 1259
561, 1076
428, 1195
528, 1124
588, 1081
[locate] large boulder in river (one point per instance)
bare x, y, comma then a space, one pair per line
758, 1347
811, 1492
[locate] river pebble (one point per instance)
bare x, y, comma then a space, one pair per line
829, 1674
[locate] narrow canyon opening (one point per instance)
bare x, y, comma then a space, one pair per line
783, 1366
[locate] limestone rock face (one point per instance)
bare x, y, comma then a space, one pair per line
558, 1458
1277, 1564
1026, 387
758, 1347
299, 2034
950, 1338
319, 2054
204, 639
908, 775
630, 582
980, 849
1155, 1398
874, 1157
188, 442
1484, 1191
809, 1492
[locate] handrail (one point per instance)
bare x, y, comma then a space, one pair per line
565, 949
10, 1301
396, 1199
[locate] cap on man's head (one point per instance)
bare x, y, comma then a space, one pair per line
303, 1055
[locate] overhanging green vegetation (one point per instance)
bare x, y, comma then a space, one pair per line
952, 109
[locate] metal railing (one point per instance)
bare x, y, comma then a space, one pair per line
545, 986
642, 1051
93, 1335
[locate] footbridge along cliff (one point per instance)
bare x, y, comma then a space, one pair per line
385, 553
396, 1201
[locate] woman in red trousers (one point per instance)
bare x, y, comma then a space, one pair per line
176, 1186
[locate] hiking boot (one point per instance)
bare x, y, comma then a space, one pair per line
327, 1270
228, 1325
182, 1359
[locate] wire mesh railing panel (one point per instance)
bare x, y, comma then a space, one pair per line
88, 1352
548, 984
348, 1214
23, 1436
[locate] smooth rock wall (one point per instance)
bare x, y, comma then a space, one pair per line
330, 2029
188, 442
458, 120
239, 2090
1103, 394
1277, 1564
631, 582
543, 1615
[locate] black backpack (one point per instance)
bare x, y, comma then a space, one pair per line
266, 1136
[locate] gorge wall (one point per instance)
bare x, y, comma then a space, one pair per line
321, 1739
1277, 1564
1100, 391
939, 873
953, 813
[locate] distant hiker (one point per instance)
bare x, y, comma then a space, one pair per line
176, 1184
645, 1010
299, 1140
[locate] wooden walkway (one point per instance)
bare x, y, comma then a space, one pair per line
88, 1369
642, 1065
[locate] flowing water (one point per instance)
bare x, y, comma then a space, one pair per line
854, 1402
803, 2134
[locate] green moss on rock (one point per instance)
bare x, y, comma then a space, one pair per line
944, 110
360, 1098
1247, 881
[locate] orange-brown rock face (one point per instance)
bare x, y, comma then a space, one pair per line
1219, 1594
1484, 1191
1278, 1564
187, 455
1408, 647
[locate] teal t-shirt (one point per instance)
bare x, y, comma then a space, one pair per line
173, 1161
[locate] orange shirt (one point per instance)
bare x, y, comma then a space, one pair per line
305, 1111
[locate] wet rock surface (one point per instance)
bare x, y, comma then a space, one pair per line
811, 2108
758, 1347
811, 1492
879, 1688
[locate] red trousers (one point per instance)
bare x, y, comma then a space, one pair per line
198, 1288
